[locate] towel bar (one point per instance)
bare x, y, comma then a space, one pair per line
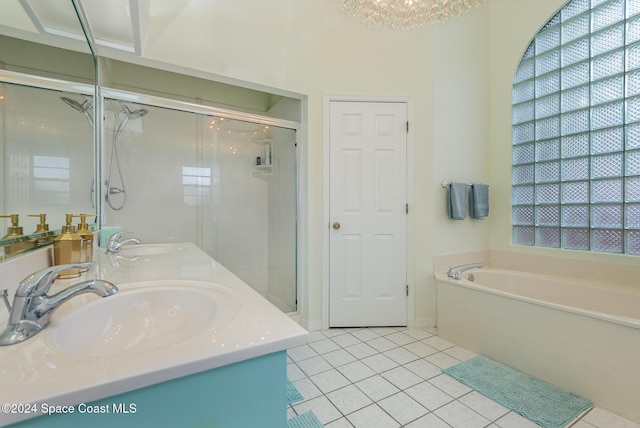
445, 183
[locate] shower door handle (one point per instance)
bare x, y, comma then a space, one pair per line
336, 225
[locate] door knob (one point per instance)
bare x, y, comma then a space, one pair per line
336, 225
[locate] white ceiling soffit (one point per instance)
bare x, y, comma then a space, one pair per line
116, 24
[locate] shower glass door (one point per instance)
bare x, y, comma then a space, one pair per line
227, 185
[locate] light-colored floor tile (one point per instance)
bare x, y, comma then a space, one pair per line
514, 420
428, 395
314, 336
400, 338
418, 333
381, 344
438, 343
346, 340
372, 416
377, 387
349, 399
340, 423
460, 353
483, 405
356, 371
399, 373
361, 350
383, 331
442, 360
313, 365
294, 373
301, 353
324, 346
401, 377
402, 408
290, 412
423, 368
582, 424
307, 389
322, 408
603, 418
365, 334
432, 330
333, 332
458, 415
420, 349
450, 385
429, 421
330, 381
338, 358
379, 363
401, 355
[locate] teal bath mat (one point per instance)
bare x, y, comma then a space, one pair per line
536, 400
305, 420
293, 395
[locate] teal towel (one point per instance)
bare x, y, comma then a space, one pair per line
293, 395
479, 200
305, 420
457, 201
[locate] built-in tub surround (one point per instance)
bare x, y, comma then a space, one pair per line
46, 370
581, 335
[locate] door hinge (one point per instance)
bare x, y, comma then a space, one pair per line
407, 289
406, 207
407, 126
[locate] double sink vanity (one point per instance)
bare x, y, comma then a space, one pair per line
183, 342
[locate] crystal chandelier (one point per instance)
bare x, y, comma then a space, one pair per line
406, 14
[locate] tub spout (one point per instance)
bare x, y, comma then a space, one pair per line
455, 272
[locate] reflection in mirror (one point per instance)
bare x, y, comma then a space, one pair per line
226, 185
47, 150
46, 143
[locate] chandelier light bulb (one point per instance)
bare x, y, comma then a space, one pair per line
406, 14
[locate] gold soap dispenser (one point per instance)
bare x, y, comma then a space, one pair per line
67, 248
14, 230
87, 237
42, 226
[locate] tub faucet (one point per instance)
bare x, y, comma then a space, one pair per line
114, 245
32, 307
455, 272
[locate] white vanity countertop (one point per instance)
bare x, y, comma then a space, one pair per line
36, 372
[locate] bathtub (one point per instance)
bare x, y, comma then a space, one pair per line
579, 335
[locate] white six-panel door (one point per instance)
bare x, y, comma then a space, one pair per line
368, 219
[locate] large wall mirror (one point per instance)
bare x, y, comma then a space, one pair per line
47, 137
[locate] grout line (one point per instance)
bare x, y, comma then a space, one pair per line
440, 351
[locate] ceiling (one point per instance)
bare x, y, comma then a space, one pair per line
124, 25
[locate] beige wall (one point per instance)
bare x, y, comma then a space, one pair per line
457, 74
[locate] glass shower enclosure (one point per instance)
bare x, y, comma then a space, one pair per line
178, 172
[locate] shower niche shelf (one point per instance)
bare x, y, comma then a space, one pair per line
265, 168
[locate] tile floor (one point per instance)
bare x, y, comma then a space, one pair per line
391, 377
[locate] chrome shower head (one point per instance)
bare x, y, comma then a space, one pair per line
85, 108
129, 115
135, 114
82, 108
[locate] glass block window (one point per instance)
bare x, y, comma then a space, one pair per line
576, 131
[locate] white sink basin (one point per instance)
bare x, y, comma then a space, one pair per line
148, 249
143, 317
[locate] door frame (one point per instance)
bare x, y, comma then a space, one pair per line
326, 220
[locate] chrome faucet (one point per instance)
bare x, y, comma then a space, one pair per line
4, 294
455, 272
32, 307
114, 245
